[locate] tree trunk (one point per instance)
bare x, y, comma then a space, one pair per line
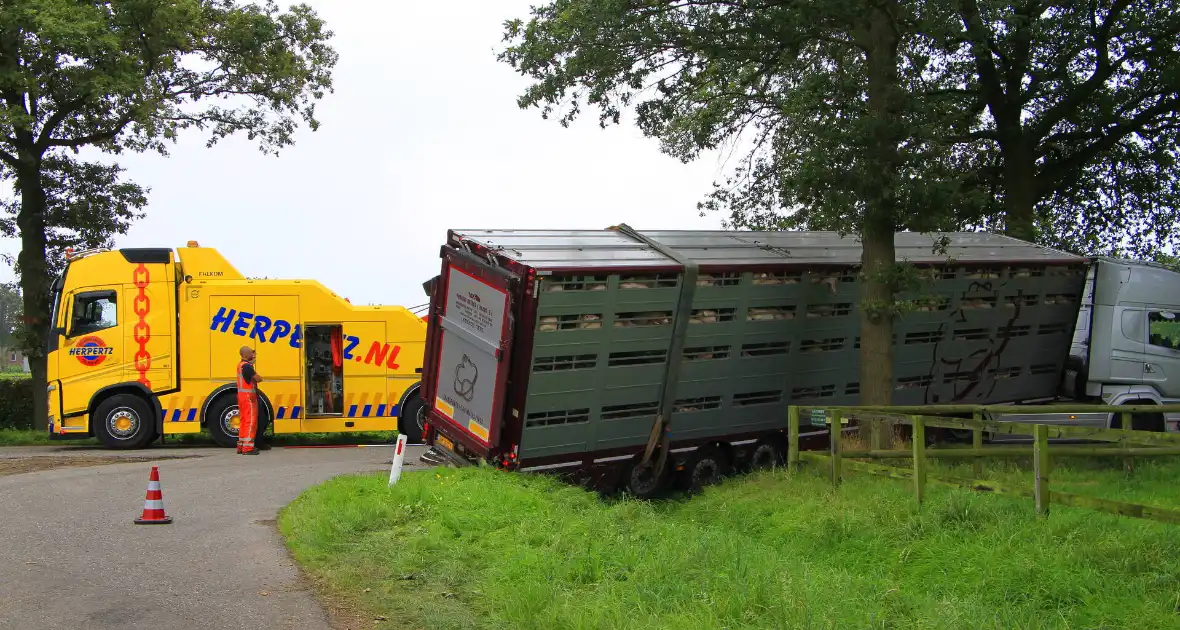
877, 230
1020, 191
876, 324
34, 280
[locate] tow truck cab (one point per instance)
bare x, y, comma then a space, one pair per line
97, 348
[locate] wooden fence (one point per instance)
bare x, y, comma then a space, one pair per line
1125, 443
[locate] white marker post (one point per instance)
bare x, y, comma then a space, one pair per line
399, 455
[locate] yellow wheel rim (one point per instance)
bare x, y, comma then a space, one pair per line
123, 424
235, 422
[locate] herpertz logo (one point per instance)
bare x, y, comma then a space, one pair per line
91, 351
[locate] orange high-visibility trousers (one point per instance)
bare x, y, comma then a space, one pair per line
247, 412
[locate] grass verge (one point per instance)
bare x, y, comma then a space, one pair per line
30, 437
475, 548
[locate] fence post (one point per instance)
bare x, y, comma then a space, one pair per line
977, 444
793, 437
919, 434
875, 442
1128, 426
1041, 468
837, 427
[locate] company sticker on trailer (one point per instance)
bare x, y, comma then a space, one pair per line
468, 363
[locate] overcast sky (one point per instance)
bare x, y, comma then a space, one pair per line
421, 135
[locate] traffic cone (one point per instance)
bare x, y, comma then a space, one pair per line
153, 505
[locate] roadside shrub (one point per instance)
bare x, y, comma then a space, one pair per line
16, 403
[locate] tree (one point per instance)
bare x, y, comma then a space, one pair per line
1074, 111
829, 90
10, 316
131, 75
1067, 125
87, 204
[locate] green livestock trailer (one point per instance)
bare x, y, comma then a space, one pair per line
581, 351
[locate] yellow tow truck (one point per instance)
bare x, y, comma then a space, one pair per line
144, 343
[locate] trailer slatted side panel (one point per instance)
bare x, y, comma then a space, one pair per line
770, 328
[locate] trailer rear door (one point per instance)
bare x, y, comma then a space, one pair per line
475, 340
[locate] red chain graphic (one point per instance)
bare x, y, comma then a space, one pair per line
142, 332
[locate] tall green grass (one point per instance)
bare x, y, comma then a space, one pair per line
30, 437
478, 548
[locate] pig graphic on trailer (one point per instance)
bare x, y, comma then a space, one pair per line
465, 376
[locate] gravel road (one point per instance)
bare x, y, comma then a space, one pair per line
72, 558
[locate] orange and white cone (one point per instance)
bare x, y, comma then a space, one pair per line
153, 505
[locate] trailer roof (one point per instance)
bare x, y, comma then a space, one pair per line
565, 249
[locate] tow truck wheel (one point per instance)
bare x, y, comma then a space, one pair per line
1155, 422
124, 421
411, 420
222, 419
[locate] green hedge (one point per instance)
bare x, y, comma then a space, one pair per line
16, 403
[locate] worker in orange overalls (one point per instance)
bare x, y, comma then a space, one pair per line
248, 380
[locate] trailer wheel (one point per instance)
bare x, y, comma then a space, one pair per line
124, 421
705, 466
961, 436
411, 420
766, 454
641, 480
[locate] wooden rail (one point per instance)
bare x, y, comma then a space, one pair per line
1118, 444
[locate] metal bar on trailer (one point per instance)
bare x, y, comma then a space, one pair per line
451, 325
661, 431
